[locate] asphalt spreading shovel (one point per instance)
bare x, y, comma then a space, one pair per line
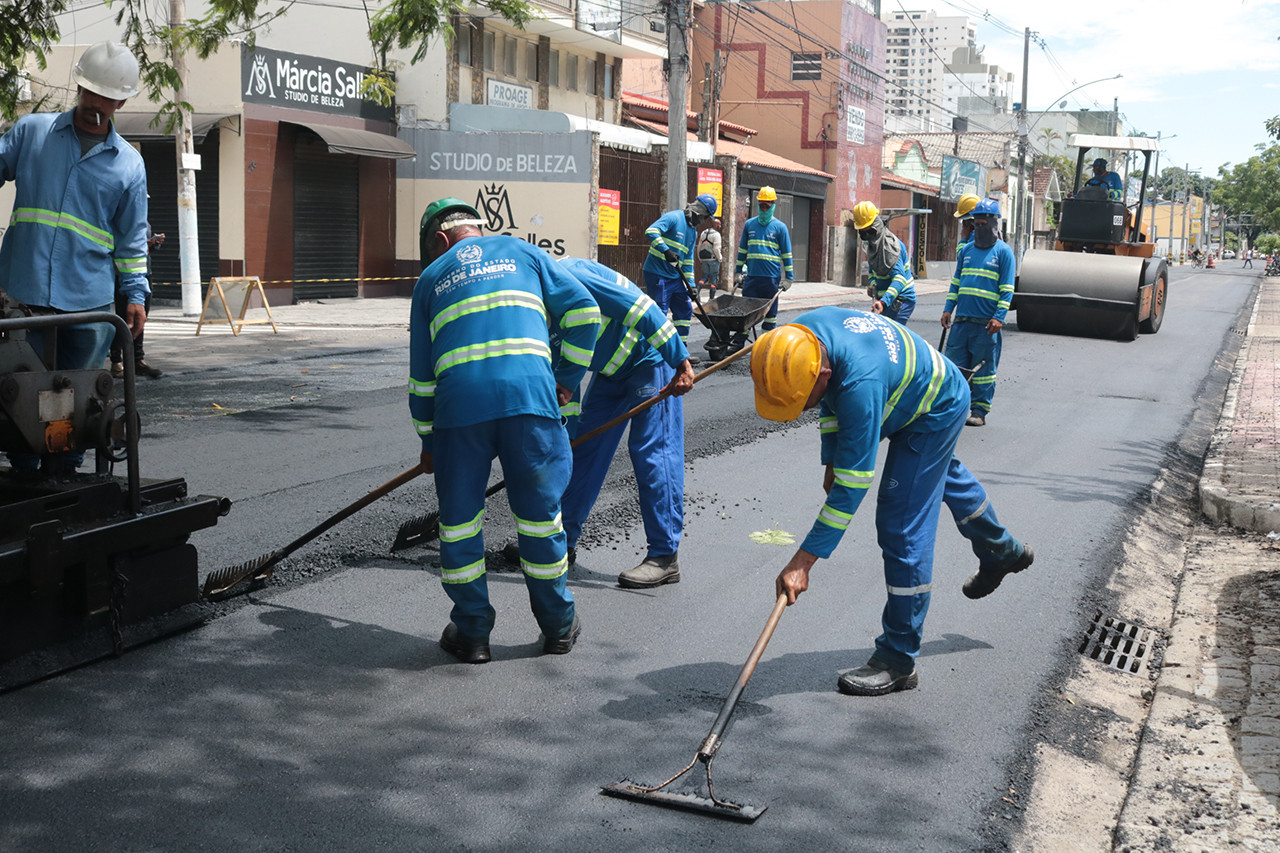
967, 372
425, 528
706, 753
220, 583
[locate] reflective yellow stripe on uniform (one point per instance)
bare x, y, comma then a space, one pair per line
979, 292
828, 424
908, 373
935, 385
851, 479
54, 219
545, 571
421, 389
834, 517
908, 590
466, 574
580, 317
423, 427
539, 529
571, 410
465, 530
131, 265
486, 301
492, 349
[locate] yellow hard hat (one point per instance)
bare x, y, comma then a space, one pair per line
965, 205
864, 213
766, 194
784, 367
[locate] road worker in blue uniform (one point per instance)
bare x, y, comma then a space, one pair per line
978, 302
1104, 177
79, 220
964, 212
669, 264
892, 284
483, 384
637, 355
874, 379
764, 258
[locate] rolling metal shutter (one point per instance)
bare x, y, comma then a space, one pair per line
160, 158
326, 220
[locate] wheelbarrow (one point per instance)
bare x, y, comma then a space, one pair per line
727, 314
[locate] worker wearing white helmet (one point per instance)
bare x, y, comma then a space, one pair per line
79, 218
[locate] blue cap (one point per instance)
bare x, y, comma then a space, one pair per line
987, 207
709, 202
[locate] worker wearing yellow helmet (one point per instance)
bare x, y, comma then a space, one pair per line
873, 379
892, 284
964, 212
764, 258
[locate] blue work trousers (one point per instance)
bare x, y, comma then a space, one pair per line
921, 473
672, 297
79, 348
900, 311
969, 343
535, 458
656, 445
760, 287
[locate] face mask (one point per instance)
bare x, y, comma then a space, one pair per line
867, 234
985, 233
766, 215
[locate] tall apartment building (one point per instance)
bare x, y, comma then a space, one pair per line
919, 46
974, 88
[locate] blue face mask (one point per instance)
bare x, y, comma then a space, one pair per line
766, 215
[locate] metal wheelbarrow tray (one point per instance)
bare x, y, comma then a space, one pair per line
727, 313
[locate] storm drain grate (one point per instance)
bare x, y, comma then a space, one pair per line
1117, 644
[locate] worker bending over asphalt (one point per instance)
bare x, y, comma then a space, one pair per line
875, 379
764, 257
482, 384
669, 264
979, 298
892, 285
637, 354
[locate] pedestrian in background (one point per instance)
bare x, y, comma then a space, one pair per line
482, 384
873, 380
979, 297
140, 365
637, 354
709, 255
668, 268
1248, 259
764, 257
79, 220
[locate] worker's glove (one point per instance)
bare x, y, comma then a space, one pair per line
737, 282
786, 283
672, 256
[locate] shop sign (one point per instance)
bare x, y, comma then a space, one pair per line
307, 83
855, 125
502, 94
610, 217
711, 182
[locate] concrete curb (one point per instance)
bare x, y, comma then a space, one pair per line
1221, 503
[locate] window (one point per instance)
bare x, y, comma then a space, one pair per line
490, 47
590, 88
608, 81
571, 72
553, 69
510, 55
806, 66
531, 62
464, 44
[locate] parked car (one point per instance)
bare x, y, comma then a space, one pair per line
1229, 255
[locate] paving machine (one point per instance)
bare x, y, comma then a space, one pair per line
1102, 278
90, 563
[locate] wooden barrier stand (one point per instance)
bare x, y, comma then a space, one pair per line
216, 309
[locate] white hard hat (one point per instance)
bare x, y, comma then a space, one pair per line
108, 69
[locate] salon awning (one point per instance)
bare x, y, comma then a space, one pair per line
137, 127
366, 143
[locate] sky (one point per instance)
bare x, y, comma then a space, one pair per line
1204, 75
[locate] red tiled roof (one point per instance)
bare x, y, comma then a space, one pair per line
631, 99
750, 155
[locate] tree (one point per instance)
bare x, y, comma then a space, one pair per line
1252, 188
30, 30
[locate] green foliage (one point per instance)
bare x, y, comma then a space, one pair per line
30, 29
1251, 190
1268, 244
1175, 179
413, 23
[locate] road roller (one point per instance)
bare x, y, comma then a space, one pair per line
1102, 278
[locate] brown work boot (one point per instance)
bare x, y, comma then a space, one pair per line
143, 369
654, 571
117, 369
984, 581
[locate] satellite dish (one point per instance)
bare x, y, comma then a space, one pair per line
1061, 105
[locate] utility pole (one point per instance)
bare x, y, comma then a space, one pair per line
677, 101
1021, 198
1186, 200
188, 232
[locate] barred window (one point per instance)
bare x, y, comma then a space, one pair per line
806, 66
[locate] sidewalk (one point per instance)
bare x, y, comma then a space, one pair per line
1207, 776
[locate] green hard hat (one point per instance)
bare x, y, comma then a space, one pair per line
443, 206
